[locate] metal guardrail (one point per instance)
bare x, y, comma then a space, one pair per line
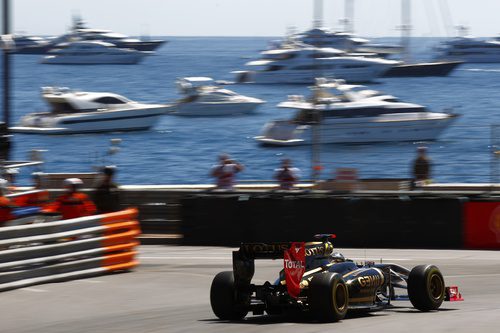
62, 250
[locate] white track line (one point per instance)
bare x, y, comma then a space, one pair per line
35, 290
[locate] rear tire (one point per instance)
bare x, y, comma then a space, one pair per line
426, 287
224, 298
328, 297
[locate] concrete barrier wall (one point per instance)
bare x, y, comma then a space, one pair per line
420, 222
417, 219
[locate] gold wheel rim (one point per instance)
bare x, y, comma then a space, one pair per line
436, 286
340, 297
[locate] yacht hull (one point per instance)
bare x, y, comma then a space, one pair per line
283, 133
442, 68
308, 77
214, 109
124, 59
91, 122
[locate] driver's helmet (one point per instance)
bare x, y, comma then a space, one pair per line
337, 257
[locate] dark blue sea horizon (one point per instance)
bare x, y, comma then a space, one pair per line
182, 150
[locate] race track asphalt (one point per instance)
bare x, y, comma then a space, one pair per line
169, 293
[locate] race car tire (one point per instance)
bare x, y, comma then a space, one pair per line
224, 298
328, 297
426, 287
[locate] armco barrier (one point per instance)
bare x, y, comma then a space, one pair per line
63, 250
482, 225
418, 222
29, 198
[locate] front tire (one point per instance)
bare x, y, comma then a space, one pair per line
224, 298
328, 297
426, 287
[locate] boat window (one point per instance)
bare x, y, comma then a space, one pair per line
369, 112
285, 56
63, 107
109, 100
305, 117
311, 67
322, 55
273, 68
354, 66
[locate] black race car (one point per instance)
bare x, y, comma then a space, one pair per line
321, 283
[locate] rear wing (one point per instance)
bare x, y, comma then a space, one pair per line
244, 259
251, 251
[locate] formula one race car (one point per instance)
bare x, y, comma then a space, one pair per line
322, 283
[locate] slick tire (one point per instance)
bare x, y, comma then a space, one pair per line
426, 287
224, 298
328, 297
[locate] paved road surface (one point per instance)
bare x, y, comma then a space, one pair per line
169, 292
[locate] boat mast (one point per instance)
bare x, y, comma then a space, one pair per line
318, 14
406, 29
348, 20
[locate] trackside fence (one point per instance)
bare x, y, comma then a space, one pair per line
68, 249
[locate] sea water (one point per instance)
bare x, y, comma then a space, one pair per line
181, 150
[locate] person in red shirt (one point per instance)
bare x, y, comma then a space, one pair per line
73, 203
225, 172
287, 175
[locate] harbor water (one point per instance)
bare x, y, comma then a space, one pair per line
181, 150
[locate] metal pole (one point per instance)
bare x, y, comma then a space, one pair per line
6, 64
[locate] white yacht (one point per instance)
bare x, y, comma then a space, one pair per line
204, 98
88, 112
353, 114
345, 41
299, 63
92, 53
80, 31
470, 49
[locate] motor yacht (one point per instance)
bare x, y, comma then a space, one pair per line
202, 97
345, 41
88, 112
343, 113
80, 31
470, 49
28, 44
92, 53
300, 63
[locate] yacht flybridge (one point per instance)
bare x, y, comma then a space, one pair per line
300, 63
202, 97
88, 112
353, 114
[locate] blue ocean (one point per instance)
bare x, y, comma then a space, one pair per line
181, 150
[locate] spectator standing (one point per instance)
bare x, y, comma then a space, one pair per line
421, 167
225, 172
287, 175
107, 194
